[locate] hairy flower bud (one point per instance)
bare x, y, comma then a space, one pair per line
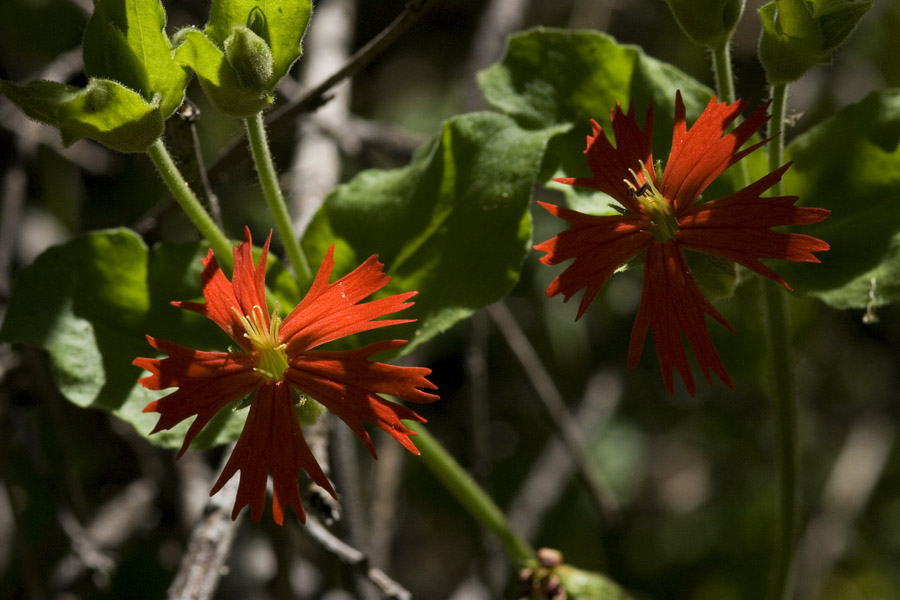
800, 34
708, 23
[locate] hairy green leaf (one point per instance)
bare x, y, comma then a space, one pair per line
125, 41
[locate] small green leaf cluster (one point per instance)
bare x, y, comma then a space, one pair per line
800, 34
137, 76
244, 51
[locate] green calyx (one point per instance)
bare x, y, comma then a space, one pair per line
800, 34
708, 23
250, 57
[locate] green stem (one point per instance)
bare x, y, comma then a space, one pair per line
472, 497
189, 203
782, 379
268, 178
721, 58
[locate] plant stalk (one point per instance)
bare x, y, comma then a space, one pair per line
783, 391
268, 178
189, 203
470, 495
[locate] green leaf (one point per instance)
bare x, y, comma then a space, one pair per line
40, 100
104, 111
281, 23
454, 224
125, 41
561, 77
850, 164
587, 585
219, 80
90, 302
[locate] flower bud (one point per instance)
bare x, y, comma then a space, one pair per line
251, 58
708, 23
800, 34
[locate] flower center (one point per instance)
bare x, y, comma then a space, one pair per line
271, 360
663, 224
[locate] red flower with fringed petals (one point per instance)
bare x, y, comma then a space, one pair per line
277, 357
663, 217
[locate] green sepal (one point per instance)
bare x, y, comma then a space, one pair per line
125, 41
218, 78
280, 23
587, 585
708, 23
105, 111
800, 34
250, 57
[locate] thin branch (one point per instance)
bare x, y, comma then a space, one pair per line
280, 120
208, 548
546, 481
355, 559
566, 425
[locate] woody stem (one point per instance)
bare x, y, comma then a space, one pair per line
783, 388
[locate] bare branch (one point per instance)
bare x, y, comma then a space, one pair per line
566, 425
208, 548
356, 559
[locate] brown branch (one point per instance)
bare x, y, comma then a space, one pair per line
208, 547
551, 398
354, 558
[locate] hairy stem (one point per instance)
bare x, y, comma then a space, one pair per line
472, 497
189, 203
783, 389
268, 178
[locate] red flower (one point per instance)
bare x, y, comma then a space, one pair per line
663, 217
276, 358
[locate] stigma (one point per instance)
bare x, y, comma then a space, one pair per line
271, 362
663, 223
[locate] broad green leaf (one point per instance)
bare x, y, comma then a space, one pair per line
281, 23
104, 111
561, 77
850, 164
453, 225
90, 302
125, 41
218, 78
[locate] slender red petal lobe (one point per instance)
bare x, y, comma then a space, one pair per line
281, 365
663, 216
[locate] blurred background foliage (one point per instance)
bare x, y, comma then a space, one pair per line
88, 509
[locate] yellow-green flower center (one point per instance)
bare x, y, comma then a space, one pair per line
271, 361
663, 223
